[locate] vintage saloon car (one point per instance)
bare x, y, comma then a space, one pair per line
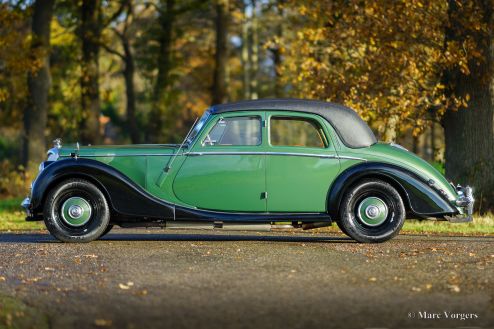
249, 165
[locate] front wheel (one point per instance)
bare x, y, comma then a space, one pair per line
372, 211
76, 211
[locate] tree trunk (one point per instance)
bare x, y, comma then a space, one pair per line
245, 54
219, 94
390, 129
415, 144
35, 115
156, 119
433, 141
469, 132
276, 51
278, 88
255, 52
90, 31
129, 72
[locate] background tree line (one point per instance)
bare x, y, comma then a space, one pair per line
121, 71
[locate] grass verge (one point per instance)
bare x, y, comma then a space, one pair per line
12, 218
480, 225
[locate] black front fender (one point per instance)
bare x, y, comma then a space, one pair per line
420, 199
126, 198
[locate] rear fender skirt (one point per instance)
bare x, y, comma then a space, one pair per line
125, 197
422, 200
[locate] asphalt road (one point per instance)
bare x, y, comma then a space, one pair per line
187, 279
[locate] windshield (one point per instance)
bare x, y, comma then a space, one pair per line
198, 126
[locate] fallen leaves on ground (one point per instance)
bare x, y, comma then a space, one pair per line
141, 293
126, 286
102, 323
454, 288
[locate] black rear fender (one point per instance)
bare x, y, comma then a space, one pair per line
420, 199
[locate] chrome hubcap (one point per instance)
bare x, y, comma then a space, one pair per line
76, 211
372, 211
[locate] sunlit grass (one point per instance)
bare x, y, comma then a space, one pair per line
10, 205
480, 225
12, 218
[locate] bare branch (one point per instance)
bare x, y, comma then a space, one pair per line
112, 51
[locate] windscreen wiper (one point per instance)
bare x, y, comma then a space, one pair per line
166, 169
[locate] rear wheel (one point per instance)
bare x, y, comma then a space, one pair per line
76, 211
372, 211
108, 229
341, 227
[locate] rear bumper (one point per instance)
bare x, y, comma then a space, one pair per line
464, 203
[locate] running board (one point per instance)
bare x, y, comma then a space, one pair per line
225, 226
217, 226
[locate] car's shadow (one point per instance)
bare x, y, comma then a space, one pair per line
36, 238
222, 237
46, 238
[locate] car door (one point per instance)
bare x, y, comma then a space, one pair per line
301, 163
225, 169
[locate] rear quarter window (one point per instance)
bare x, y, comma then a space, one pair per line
302, 132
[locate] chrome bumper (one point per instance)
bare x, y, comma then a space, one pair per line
465, 202
26, 204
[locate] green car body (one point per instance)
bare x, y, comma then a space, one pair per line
256, 180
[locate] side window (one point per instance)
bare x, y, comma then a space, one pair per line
286, 131
235, 131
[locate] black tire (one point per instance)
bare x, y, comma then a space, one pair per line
353, 219
108, 229
341, 227
94, 224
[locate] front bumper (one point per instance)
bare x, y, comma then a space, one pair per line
26, 204
465, 204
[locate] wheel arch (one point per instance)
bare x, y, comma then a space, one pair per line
67, 176
419, 198
124, 197
383, 177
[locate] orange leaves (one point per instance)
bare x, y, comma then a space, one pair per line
382, 58
365, 58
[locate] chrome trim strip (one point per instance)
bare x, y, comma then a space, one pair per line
330, 156
312, 155
351, 158
325, 156
124, 155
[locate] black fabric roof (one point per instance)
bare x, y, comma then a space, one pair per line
351, 129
